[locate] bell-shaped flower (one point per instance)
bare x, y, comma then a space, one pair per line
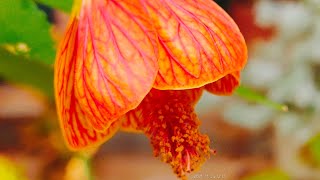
141, 65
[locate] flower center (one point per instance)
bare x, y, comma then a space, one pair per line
173, 129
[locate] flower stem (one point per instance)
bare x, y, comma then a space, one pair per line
251, 95
88, 169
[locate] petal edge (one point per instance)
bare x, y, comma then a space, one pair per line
199, 43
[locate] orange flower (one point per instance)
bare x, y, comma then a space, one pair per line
142, 65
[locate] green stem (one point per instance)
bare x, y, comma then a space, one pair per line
88, 166
88, 169
249, 94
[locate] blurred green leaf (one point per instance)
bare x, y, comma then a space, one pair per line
268, 175
310, 152
21, 70
22, 23
251, 95
64, 5
314, 146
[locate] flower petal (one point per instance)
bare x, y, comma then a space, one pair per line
96, 77
75, 124
199, 43
132, 121
226, 85
114, 68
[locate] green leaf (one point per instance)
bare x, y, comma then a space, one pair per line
24, 71
64, 5
251, 95
310, 152
314, 146
267, 175
23, 23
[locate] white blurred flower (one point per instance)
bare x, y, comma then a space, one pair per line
298, 87
293, 19
264, 71
253, 117
266, 11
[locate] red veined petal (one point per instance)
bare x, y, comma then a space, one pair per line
226, 85
75, 124
199, 43
114, 62
132, 121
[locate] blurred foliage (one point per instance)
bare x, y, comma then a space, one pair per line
314, 146
22, 22
310, 153
268, 175
9, 171
251, 95
64, 5
18, 69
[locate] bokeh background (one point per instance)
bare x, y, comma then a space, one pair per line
254, 138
